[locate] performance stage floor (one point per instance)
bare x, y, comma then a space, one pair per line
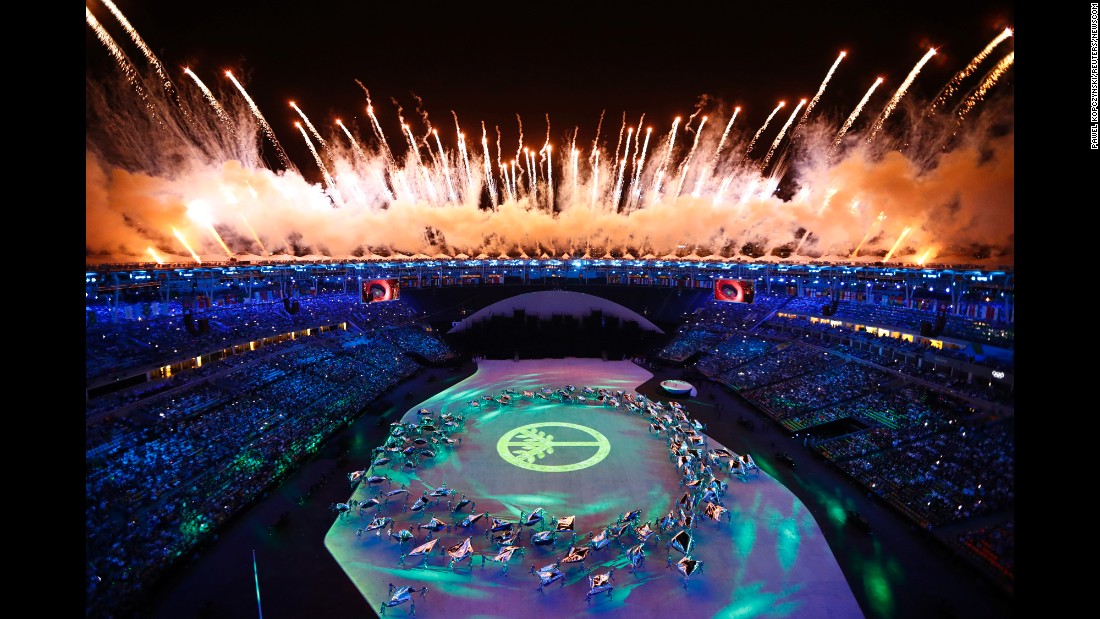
769, 559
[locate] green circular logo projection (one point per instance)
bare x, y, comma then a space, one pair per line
524, 445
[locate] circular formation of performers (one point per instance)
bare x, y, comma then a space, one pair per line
412, 444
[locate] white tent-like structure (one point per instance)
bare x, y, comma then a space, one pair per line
547, 303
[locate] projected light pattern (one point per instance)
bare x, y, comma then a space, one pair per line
521, 446
946, 178
768, 560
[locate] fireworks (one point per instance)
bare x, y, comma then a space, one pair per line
899, 93
305, 119
189, 143
855, 113
764, 126
263, 121
820, 91
953, 85
890, 253
782, 132
183, 241
987, 82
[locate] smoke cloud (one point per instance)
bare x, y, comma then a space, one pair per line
161, 164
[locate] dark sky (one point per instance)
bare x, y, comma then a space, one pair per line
491, 61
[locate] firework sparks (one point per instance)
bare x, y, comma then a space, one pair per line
637, 169
136, 38
763, 127
636, 192
255, 236
952, 86
209, 96
687, 160
377, 127
574, 165
928, 254
881, 216
488, 171
622, 167
894, 248
714, 159
832, 191
446, 168
351, 140
900, 93
312, 129
218, 238
263, 123
855, 113
179, 236
490, 206
116, 52
798, 247
595, 177
991, 78
532, 184
331, 184
465, 156
820, 91
782, 132
668, 156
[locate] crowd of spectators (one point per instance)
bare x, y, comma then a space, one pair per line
900, 406
783, 362
168, 463
118, 346
943, 477
902, 355
908, 319
714, 322
815, 399
687, 342
733, 351
923, 434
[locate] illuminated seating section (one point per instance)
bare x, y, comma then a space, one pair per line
713, 322
731, 352
203, 445
954, 475
195, 448
781, 363
907, 319
919, 444
127, 345
892, 353
814, 399
689, 341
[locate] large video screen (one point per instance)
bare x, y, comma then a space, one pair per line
733, 290
381, 290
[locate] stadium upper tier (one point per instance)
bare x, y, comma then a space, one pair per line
145, 317
953, 284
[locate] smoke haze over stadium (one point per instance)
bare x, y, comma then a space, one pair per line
634, 133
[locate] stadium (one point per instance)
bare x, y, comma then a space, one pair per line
719, 372
212, 390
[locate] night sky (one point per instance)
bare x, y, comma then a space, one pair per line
572, 61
